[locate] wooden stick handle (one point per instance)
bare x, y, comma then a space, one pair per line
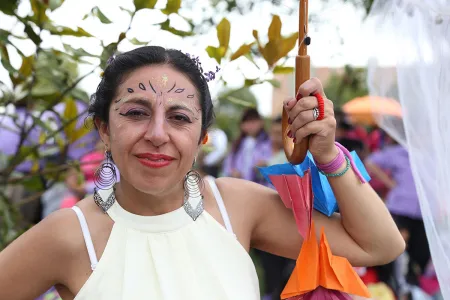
296, 153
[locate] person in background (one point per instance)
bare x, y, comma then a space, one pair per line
243, 160
403, 203
276, 137
80, 184
277, 269
214, 152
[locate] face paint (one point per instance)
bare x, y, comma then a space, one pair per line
173, 99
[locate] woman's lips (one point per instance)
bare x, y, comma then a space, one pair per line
154, 160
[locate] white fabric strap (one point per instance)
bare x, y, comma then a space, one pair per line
87, 237
223, 211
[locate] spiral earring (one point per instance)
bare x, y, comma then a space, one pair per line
105, 178
192, 189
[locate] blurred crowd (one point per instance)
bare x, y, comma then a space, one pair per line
259, 143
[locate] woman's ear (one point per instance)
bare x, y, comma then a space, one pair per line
103, 130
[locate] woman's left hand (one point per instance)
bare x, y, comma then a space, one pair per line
301, 116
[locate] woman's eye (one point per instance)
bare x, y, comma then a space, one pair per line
181, 118
134, 113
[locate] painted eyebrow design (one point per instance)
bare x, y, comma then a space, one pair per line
141, 101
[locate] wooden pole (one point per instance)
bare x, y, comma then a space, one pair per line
296, 153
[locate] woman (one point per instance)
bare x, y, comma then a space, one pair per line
152, 109
252, 149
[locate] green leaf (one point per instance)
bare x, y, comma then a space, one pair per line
42, 89
70, 114
42, 124
79, 94
283, 70
77, 52
287, 44
275, 29
271, 52
127, 10
61, 30
25, 70
39, 8
5, 59
223, 33
98, 13
80, 132
34, 183
32, 35
108, 51
4, 36
166, 26
256, 36
275, 83
140, 4
136, 42
54, 4
9, 6
240, 102
216, 53
250, 82
243, 50
172, 6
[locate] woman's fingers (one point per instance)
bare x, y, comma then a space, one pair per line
310, 87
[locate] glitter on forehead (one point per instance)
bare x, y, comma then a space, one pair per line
161, 82
164, 80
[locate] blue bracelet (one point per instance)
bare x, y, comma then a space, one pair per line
340, 173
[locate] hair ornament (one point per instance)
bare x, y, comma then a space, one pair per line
210, 75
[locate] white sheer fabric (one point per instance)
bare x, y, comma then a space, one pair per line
415, 35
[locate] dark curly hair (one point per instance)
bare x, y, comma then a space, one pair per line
123, 64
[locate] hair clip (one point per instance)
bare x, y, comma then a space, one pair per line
110, 60
209, 76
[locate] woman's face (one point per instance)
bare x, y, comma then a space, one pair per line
252, 127
154, 128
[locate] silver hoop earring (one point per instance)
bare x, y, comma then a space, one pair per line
192, 189
105, 179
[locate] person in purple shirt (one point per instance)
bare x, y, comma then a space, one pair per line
403, 203
252, 149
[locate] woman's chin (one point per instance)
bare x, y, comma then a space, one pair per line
154, 186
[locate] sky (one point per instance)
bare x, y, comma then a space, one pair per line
338, 37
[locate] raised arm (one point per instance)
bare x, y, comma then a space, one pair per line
364, 232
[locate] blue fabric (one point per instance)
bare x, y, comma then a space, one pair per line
324, 199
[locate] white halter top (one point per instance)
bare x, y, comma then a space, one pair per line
169, 257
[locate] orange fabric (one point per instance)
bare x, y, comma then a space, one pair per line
317, 266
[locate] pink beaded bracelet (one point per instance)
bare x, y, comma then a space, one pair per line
333, 165
338, 161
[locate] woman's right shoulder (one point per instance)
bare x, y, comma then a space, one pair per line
48, 253
61, 229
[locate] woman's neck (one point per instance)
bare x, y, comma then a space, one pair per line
140, 203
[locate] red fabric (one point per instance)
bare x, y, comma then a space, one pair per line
69, 202
90, 163
429, 285
374, 140
370, 276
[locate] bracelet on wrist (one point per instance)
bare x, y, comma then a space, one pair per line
347, 167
